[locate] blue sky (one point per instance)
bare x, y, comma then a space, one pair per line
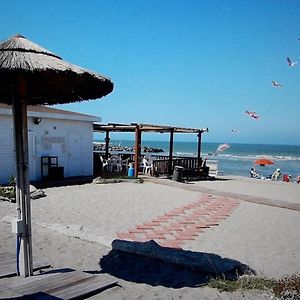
183, 63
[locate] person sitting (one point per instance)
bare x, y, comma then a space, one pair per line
276, 175
298, 179
286, 178
254, 174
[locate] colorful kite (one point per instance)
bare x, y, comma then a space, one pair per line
222, 147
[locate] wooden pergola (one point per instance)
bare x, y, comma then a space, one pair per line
138, 129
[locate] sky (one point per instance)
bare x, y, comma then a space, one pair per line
184, 63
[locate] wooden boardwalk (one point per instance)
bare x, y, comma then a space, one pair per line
55, 284
8, 265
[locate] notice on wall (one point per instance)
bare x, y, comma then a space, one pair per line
53, 143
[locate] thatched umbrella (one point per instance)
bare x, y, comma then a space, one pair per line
30, 74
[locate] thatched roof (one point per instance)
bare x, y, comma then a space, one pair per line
42, 109
49, 79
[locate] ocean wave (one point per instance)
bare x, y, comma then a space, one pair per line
257, 156
242, 156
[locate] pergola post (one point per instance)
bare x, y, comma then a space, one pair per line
171, 150
24, 242
199, 151
107, 139
137, 150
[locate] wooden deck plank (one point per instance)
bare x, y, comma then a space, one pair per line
47, 282
66, 285
95, 284
8, 265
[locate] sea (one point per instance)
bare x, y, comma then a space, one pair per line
238, 159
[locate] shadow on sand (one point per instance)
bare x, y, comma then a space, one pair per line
152, 264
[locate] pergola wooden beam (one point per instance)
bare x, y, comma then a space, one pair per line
137, 150
171, 150
107, 139
199, 135
138, 129
116, 127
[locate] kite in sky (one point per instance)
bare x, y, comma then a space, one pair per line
222, 147
252, 114
291, 63
276, 84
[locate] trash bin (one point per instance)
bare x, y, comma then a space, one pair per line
56, 173
177, 174
131, 172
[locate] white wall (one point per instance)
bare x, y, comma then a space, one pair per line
71, 141
6, 149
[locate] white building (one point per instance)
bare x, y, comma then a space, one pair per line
51, 132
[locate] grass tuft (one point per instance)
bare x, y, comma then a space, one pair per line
7, 192
284, 288
243, 283
288, 287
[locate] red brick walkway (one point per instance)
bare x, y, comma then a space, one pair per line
184, 223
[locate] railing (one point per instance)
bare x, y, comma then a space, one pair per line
190, 164
160, 163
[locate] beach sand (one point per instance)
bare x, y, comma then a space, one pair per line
74, 226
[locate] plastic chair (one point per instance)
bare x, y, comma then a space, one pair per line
103, 162
213, 167
147, 166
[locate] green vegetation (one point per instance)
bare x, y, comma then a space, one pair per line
284, 288
7, 192
288, 287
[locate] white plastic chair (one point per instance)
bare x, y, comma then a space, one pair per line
104, 162
213, 167
147, 166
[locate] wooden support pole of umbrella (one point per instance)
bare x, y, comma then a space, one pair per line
30, 74
24, 242
22, 189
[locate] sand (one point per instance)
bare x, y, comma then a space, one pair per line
74, 227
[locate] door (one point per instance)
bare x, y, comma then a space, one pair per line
75, 165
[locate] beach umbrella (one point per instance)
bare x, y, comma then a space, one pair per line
222, 147
263, 161
30, 75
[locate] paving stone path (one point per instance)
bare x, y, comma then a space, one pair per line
184, 223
